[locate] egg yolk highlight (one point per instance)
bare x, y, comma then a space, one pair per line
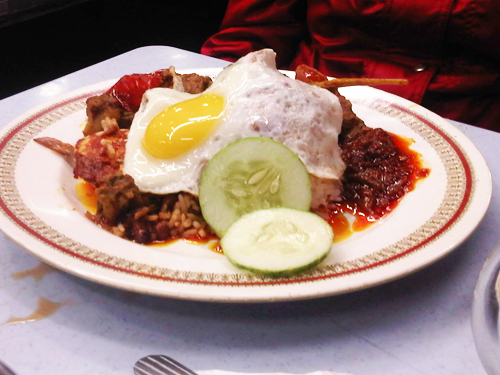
182, 126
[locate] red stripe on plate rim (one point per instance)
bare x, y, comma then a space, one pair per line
265, 281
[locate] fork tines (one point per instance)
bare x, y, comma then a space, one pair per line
160, 365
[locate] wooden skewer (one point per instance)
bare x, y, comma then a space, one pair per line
343, 82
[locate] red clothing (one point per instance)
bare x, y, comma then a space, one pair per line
449, 50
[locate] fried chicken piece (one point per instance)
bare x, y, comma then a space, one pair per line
96, 157
99, 156
65, 149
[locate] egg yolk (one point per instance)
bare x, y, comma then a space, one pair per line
182, 126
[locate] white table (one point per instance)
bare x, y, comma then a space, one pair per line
416, 325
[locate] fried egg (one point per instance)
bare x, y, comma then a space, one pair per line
174, 134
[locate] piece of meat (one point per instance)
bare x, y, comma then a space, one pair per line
117, 195
194, 83
352, 125
122, 100
65, 149
105, 106
308, 74
377, 173
145, 217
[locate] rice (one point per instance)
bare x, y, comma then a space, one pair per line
177, 217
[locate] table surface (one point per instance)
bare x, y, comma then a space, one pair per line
420, 324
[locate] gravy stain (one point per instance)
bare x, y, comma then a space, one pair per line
38, 273
45, 309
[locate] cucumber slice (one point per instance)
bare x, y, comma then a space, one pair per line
278, 242
248, 175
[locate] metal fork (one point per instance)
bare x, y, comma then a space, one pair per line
4, 370
160, 365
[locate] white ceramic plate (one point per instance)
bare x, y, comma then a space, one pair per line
40, 211
486, 313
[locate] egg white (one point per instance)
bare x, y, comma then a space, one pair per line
260, 101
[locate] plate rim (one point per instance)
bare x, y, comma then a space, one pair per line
92, 89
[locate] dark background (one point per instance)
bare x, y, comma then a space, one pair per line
43, 47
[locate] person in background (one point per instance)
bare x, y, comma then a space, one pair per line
449, 50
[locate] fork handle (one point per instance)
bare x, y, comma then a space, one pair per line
4, 370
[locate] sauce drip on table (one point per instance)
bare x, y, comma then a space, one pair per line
45, 308
38, 273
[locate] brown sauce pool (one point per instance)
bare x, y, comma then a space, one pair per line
38, 273
45, 308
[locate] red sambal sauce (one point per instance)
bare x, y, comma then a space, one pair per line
380, 169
